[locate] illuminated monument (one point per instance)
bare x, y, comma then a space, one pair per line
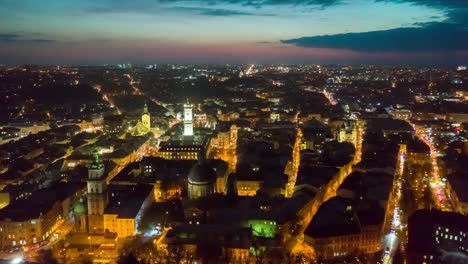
97, 194
144, 125
188, 119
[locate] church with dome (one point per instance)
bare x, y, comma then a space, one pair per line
201, 179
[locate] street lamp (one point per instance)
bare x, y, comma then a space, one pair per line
89, 242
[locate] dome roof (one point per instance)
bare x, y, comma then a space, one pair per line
201, 173
79, 208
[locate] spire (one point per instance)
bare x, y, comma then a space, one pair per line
96, 155
145, 108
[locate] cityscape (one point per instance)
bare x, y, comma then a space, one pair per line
336, 144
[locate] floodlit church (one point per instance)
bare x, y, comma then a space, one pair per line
144, 125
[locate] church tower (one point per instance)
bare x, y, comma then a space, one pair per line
97, 194
188, 119
145, 118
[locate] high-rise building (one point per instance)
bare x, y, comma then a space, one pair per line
188, 119
97, 194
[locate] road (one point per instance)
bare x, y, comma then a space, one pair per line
250, 70
329, 96
395, 230
437, 182
106, 98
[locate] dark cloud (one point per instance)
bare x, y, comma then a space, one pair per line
447, 36
434, 37
216, 11
260, 3
456, 10
215, 7
15, 37
8, 37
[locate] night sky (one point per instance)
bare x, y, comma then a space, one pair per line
234, 31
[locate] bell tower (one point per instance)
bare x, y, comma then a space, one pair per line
97, 194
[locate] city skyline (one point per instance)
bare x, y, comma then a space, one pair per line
234, 31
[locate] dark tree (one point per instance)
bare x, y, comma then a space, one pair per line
128, 259
209, 252
46, 256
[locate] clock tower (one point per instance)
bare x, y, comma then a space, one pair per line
188, 119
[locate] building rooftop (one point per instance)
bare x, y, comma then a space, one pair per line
40, 202
389, 124
127, 200
459, 183
371, 185
315, 175
335, 217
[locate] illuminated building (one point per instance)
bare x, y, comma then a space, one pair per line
97, 194
347, 132
33, 220
340, 229
164, 191
113, 124
403, 114
201, 180
225, 139
126, 206
274, 117
248, 187
236, 242
200, 120
262, 227
188, 119
163, 173
183, 148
